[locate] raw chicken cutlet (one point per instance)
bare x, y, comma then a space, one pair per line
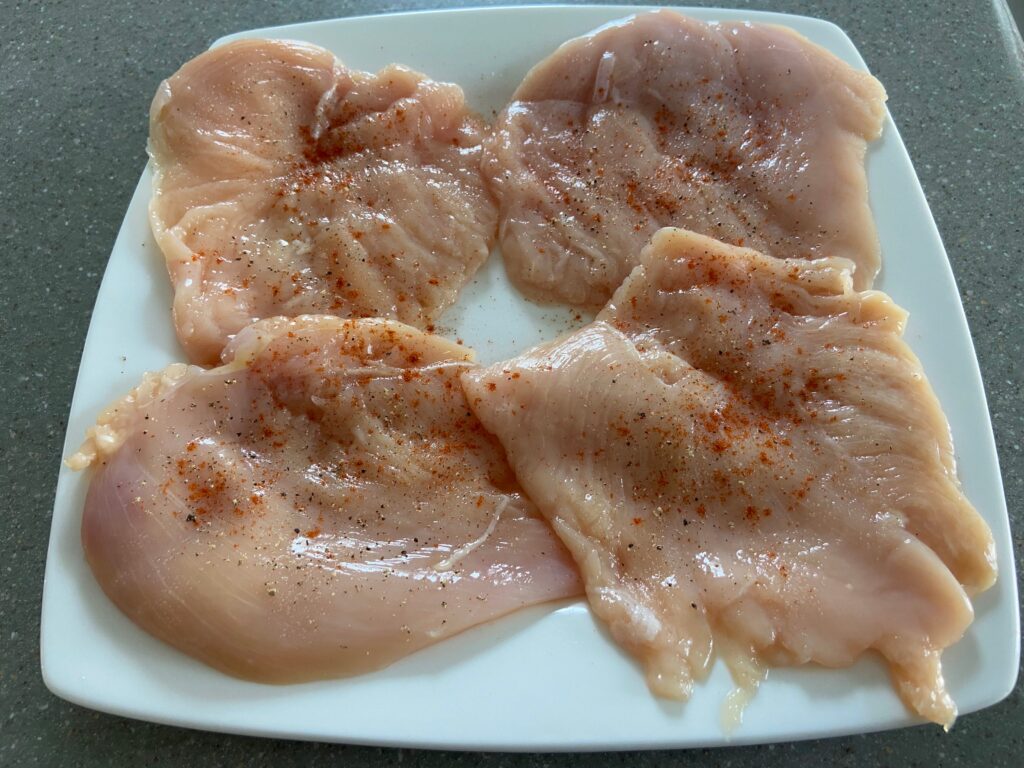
286, 184
321, 505
742, 452
748, 133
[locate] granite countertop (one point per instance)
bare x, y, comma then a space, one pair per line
75, 84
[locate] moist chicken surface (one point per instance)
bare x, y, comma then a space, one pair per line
748, 133
285, 184
742, 453
321, 505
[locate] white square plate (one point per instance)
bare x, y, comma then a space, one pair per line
548, 678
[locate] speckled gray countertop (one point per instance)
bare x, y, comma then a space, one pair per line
75, 84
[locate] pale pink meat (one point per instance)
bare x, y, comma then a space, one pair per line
742, 454
321, 505
286, 184
748, 133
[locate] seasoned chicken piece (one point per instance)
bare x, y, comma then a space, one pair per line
742, 451
321, 505
744, 132
285, 184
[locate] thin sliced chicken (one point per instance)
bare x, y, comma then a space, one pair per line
321, 505
745, 132
742, 451
286, 184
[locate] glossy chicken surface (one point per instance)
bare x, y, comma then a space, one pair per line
744, 132
743, 455
321, 505
286, 184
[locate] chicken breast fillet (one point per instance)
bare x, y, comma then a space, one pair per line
286, 184
321, 505
742, 451
748, 133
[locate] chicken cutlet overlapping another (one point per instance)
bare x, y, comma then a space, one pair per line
748, 133
741, 452
286, 184
322, 504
